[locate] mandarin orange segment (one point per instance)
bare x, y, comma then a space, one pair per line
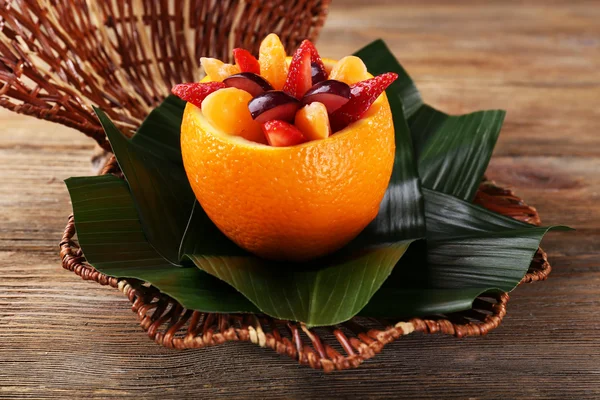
313, 121
272, 60
227, 110
217, 70
350, 70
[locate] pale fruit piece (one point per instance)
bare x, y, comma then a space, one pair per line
313, 121
217, 70
227, 110
349, 70
272, 60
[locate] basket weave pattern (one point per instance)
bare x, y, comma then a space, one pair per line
60, 57
342, 346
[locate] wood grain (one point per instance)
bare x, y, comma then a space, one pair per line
61, 337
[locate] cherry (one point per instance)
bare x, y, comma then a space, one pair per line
333, 94
248, 81
271, 105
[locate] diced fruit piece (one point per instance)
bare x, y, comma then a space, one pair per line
299, 78
217, 70
271, 58
350, 70
273, 105
362, 95
281, 134
195, 93
248, 81
317, 74
333, 94
246, 61
313, 121
227, 110
318, 67
314, 54
329, 64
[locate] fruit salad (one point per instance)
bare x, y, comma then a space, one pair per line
281, 102
290, 157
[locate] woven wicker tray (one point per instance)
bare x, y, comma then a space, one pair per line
341, 346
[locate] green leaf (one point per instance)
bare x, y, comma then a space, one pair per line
111, 236
159, 133
401, 302
322, 292
452, 152
401, 212
471, 247
379, 59
159, 186
470, 251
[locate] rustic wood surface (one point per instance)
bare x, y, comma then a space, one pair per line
61, 337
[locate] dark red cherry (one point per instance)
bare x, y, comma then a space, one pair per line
248, 81
318, 73
333, 94
272, 105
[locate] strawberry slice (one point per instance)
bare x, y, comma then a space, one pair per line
246, 61
299, 78
319, 73
194, 92
362, 95
281, 134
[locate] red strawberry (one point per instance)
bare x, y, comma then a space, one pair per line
195, 93
246, 61
299, 78
318, 68
362, 95
280, 133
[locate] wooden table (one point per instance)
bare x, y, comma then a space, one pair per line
63, 337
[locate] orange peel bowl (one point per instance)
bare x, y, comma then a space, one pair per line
291, 203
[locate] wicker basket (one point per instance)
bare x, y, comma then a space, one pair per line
61, 57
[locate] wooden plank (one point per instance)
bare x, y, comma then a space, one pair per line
61, 337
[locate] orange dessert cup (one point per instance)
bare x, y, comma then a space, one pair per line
290, 203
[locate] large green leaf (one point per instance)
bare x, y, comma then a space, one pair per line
398, 302
401, 214
322, 292
470, 251
452, 152
471, 247
159, 186
111, 236
159, 133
